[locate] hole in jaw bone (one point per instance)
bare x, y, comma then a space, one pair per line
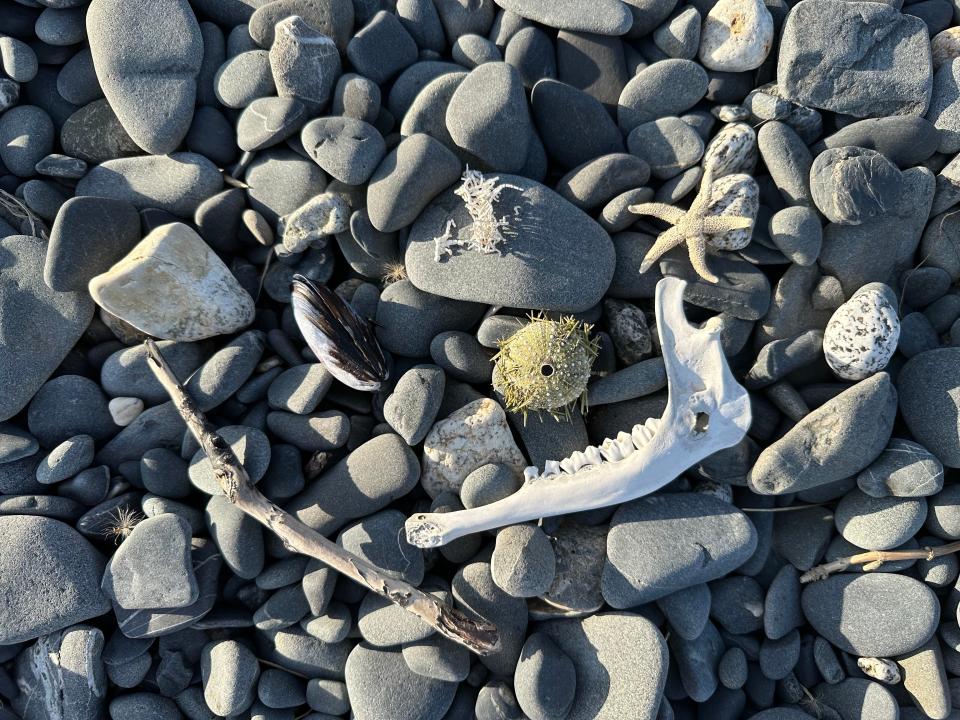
700, 423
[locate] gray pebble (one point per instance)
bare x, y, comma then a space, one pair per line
605, 17
665, 88
66, 460
251, 447
269, 120
916, 335
421, 20
903, 469
331, 627
279, 689
294, 650
854, 185
26, 136
325, 430
797, 233
16, 443
697, 661
906, 140
382, 48
243, 79
300, 389
781, 605
152, 568
532, 53
285, 607
126, 372
779, 358
859, 695
597, 181
372, 476
226, 370
732, 670
412, 407
668, 145
61, 26
545, 680
380, 540
925, 383
737, 604
472, 50
328, 696
408, 318
943, 515
687, 610
944, 111
572, 144
461, 356
144, 706
357, 97
165, 473
230, 672
779, 657
334, 19
237, 535
347, 149
437, 657
18, 60
304, 61
523, 562
872, 614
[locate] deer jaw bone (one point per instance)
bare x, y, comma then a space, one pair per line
707, 411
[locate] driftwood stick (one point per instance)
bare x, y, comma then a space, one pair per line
479, 636
875, 558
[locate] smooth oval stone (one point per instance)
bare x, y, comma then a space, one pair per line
835, 441
545, 679
904, 469
347, 149
147, 60
664, 88
66, 460
252, 449
127, 373
237, 535
797, 233
40, 325
226, 371
407, 179
872, 614
305, 62
18, 60
69, 405
382, 687
177, 183
614, 679
413, 405
944, 110
718, 539
26, 136
94, 134
203, 298
499, 135
736, 36
537, 269
230, 671
927, 385
860, 696
379, 540
603, 17
879, 523
56, 572
572, 143
268, 121
905, 140
597, 181
382, 48
243, 79
333, 18
853, 185
531, 52
16, 443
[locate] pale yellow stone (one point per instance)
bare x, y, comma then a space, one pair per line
173, 286
945, 46
474, 435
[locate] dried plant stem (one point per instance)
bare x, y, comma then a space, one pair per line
875, 558
479, 636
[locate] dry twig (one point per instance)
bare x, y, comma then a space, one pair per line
479, 636
873, 559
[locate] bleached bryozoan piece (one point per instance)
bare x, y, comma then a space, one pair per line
707, 411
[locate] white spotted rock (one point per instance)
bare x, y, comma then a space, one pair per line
174, 287
862, 334
737, 195
736, 36
732, 150
474, 435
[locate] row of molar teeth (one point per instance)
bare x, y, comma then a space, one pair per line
609, 450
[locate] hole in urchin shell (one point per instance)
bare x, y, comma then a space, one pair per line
546, 370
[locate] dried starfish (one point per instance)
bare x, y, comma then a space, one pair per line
690, 226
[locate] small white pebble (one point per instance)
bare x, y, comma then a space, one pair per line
124, 410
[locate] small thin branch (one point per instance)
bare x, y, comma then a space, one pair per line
789, 508
875, 558
479, 636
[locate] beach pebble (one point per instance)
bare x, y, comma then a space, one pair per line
605, 17
327, 696
943, 520
269, 120
230, 672
61, 676
523, 562
300, 389
736, 604
614, 679
382, 687
500, 135
26, 136
251, 447
243, 79
720, 539
545, 680
152, 568
393, 199
945, 46
347, 149
149, 78
667, 144
204, 298
324, 430
736, 36
687, 610
334, 19
853, 185
879, 523
16, 443
40, 325
373, 475
58, 572
380, 540
413, 405
126, 372
304, 62
944, 112
177, 183
437, 657
862, 334
474, 435
854, 612
822, 68
18, 60
66, 406
571, 144
903, 469
926, 384
237, 535
861, 419
382, 48
797, 233
66, 460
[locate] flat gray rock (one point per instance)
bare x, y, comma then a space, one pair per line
26, 136
51, 578
40, 325
304, 62
710, 539
177, 183
230, 671
615, 679
927, 385
835, 441
872, 614
859, 58
413, 405
380, 540
333, 18
147, 60
545, 680
347, 149
152, 568
538, 267
604, 17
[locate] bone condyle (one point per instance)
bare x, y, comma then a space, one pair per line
707, 411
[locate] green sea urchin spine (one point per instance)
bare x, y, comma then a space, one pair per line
545, 366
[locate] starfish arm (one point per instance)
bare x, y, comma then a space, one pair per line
698, 258
661, 211
702, 201
713, 224
668, 240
